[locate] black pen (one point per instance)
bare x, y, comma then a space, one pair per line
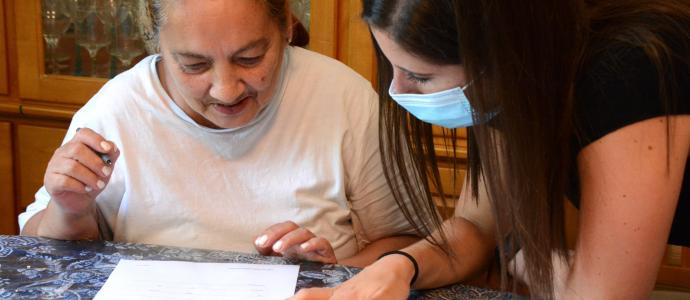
105, 158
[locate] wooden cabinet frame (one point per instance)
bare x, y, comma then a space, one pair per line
8, 221
323, 33
4, 80
338, 31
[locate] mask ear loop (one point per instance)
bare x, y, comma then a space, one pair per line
471, 81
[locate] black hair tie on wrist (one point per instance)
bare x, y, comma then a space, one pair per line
414, 262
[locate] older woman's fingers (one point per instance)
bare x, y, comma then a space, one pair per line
95, 141
59, 183
70, 175
265, 241
291, 239
318, 249
82, 154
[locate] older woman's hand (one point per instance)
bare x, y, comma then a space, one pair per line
289, 240
76, 173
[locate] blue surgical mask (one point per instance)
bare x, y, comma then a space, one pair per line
449, 108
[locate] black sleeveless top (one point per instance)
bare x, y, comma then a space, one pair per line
619, 88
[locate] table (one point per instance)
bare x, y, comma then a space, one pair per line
39, 268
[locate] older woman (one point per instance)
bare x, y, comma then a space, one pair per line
229, 139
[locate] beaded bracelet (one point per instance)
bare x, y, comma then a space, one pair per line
414, 262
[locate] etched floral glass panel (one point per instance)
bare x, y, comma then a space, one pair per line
101, 38
302, 10
93, 38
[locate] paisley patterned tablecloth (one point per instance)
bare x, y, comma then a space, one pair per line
38, 268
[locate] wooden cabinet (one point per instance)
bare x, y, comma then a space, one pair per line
7, 209
338, 31
25, 152
35, 147
675, 270
4, 83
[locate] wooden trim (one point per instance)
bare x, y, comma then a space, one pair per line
354, 47
34, 146
52, 111
10, 107
8, 223
27, 40
42, 111
676, 277
342, 36
338, 31
673, 256
446, 210
452, 186
674, 273
444, 148
439, 131
323, 29
4, 79
360, 50
33, 83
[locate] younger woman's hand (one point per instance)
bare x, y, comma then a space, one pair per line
386, 279
289, 240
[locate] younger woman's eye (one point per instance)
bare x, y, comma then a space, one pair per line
417, 79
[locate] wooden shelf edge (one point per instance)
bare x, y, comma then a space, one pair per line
52, 112
674, 276
446, 151
10, 107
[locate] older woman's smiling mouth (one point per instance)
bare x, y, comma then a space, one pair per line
235, 108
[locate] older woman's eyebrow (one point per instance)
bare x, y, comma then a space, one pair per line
262, 43
190, 55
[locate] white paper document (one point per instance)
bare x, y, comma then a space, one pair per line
147, 279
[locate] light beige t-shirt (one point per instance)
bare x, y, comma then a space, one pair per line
311, 156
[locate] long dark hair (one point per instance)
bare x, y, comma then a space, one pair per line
416, 27
524, 59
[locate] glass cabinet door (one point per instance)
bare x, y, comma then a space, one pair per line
94, 38
52, 79
302, 10
68, 48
